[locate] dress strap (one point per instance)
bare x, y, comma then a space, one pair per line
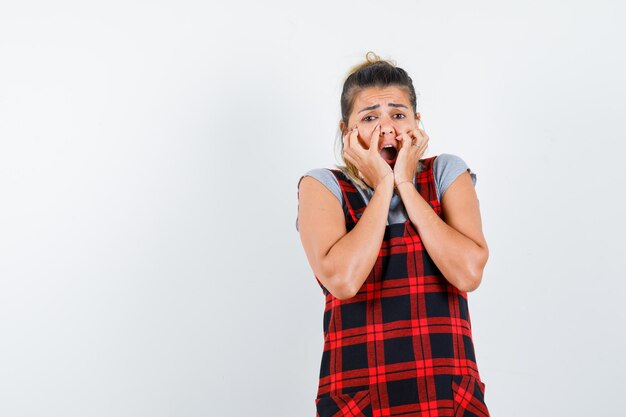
354, 205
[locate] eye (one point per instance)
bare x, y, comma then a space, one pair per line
397, 116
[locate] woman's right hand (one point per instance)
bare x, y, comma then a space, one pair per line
373, 169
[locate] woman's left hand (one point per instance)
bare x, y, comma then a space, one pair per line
409, 155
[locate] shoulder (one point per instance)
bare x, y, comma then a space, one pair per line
446, 168
326, 177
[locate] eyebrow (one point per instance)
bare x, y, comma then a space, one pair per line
375, 106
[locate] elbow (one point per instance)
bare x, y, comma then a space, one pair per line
475, 271
346, 284
343, 294
471, 284
343, 288
470, 281
477, 268
339, 283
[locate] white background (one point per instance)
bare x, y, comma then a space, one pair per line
149, 156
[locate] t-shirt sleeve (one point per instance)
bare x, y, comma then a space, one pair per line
446, 169
326, 177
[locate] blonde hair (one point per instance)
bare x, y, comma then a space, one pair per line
372, 72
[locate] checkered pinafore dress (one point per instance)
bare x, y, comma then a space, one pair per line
402, 346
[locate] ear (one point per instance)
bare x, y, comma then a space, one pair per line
341, 126
418, 116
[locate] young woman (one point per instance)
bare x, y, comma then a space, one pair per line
396, 243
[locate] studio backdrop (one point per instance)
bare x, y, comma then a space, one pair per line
149, 160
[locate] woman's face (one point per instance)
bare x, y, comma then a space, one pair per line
387, 106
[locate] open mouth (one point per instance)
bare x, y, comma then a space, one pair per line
389, 154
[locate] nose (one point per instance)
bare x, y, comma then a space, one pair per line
387, 128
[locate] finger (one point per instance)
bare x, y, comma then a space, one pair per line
420, 133
402, 141
406, 139
417, 134
425, 139
354, 140
375, 139
348, 152
347, 149
421, 137
347, 157
404, 148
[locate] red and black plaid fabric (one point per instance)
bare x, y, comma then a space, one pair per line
403, 345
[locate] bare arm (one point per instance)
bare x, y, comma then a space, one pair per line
341, 260
455, 243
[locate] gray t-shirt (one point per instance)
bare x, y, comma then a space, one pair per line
446, 168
